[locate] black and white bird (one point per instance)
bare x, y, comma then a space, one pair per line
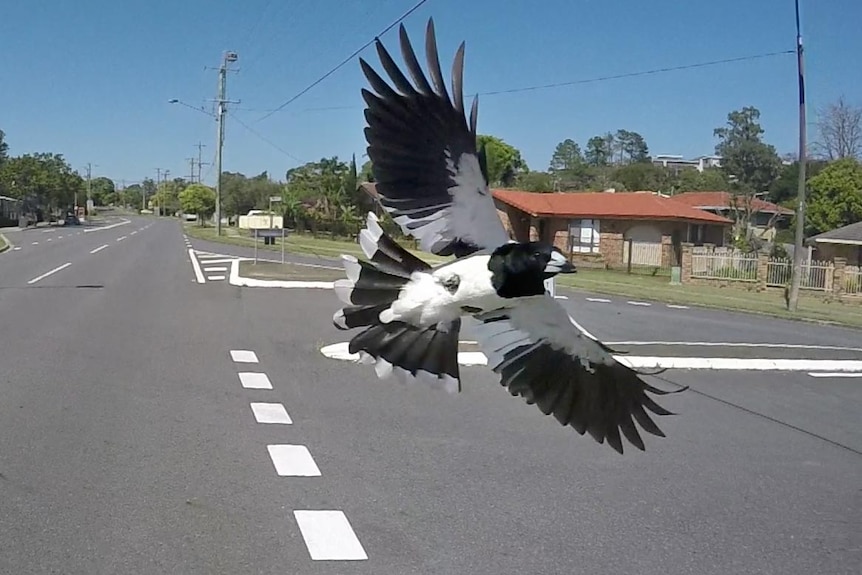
433, 181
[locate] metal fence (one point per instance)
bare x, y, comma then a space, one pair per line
816, 275
723, 264
853, 280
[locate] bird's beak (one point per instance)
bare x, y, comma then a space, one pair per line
559, 264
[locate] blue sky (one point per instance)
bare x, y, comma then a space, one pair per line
91, 79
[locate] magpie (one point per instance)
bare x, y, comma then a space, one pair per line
433, 181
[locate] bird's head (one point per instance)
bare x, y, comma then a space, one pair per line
520, 269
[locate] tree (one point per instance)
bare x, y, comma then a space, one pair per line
366, 173
132, 196
599, 150
753, 163
710, 179
103, 191
504, 161
567, 156
836, 196
785, 188
4, 148
198, 199
44, 179
535, 182
840, 129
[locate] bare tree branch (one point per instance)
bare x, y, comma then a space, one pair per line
840, 127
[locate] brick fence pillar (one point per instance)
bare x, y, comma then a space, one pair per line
685, 264
762, 271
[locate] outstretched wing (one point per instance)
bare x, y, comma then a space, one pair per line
428, 174
543, 357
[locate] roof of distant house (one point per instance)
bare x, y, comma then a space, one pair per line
849, 235
722, 201
605, 205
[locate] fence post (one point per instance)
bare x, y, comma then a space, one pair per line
838, 271
762, 271
685, 264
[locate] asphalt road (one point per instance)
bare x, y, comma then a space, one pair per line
128, 443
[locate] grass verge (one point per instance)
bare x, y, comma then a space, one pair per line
4, 244
642, 287
638, 286
288, 272
294, 243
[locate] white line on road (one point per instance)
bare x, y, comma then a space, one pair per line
675, 306
49, 239
35, 243
243, 356
215, 278
643, 303
106, 227
133, 232
329, 536
254, 380
197, 267
16, 248
53, 271
340, 351
270, 413
98, 249
293, 461
59, 237
735, 344
218, 269
834, 374
598, 300
121, 238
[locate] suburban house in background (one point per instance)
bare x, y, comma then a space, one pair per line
596, 226
9, 211
845, 242
678, 163
766, 218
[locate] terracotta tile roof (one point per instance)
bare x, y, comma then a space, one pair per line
620, 205
721, 200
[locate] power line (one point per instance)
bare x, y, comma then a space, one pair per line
276, 146
591, 80
642, 73
345, 61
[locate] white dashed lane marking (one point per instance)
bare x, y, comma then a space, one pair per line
215, 278
641, 303
254, 380
46, 274
293, 461
217, 269
243, 356
598, 300
675, 306
329, 536
98, 249
270, 413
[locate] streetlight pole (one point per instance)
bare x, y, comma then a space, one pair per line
796, 279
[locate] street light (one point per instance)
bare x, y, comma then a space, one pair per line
201, 109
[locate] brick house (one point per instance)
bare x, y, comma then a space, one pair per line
844, 242
595, 226
766, 217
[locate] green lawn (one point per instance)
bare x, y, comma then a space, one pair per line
637, 286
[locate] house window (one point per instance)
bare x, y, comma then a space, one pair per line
584, 236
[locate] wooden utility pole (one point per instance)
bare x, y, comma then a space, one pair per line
796, 280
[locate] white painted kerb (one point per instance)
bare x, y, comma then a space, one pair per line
237, 280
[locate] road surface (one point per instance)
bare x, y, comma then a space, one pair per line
133, 441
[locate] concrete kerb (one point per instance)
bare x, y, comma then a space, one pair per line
240, 281
7, 245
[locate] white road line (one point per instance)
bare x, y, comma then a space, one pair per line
35, 243
270, 413
598, 299
218, 269
16, 248
215, 278
675, 306
121, 238
834, 374
254, 380
107, 227
49, 239
735, 344
643, 303
293, 461
329, 536
219, 261
340, 351
133, 232
98, 249
243, 356
59, 237
197, 267
53, 271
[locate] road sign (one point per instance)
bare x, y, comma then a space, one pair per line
275, 198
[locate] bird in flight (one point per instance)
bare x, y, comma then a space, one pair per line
433, 181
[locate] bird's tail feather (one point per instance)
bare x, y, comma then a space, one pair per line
426, 354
